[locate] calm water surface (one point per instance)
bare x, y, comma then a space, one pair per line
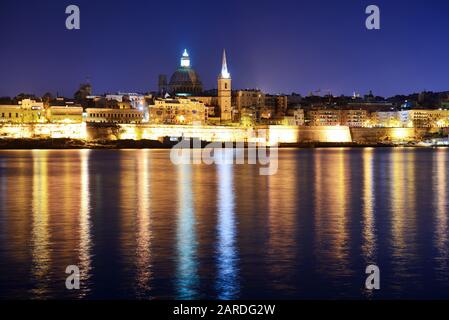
140, 227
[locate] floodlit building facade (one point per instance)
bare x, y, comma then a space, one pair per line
65, 114
424, 118
298, 115
414, 118
249, 99
385, 119
177, 111
27, 111
277, 104
266, 106
107, 115
354, 118
130, 100
294, 118
323, 117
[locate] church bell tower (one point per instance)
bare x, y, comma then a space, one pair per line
224, 91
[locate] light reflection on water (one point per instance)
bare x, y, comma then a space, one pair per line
40, 237
144, 236
85, 245
187, 265
141, 227
440, 191
332, 216
227, 256
369, 220
281, 253
403, 240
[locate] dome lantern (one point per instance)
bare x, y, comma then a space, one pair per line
185, 59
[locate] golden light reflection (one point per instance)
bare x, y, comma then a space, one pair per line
369, 223
281, 224
403, 211
144, 235
67, 191
227, 278
40, 239
64, 189
85, 255
441, 204
398, 208
187, 264
17, 226
128, 204
332, 238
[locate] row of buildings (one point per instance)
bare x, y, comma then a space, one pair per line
183, 111
359, 118
182, 101
31, 111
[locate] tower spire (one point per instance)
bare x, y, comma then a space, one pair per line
224, 67
224, 91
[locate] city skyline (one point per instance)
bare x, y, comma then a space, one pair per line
223, 158
331, 49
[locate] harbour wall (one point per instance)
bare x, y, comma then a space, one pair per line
261, 134
387, 135
44, 131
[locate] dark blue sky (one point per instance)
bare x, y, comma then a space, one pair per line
278, 46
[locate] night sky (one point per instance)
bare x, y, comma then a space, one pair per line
279, 46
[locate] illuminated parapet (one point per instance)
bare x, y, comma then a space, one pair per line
65, 114
376, 135
283, 134
205, 133
44, 131
324, 134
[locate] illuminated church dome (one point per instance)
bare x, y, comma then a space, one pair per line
185, 81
